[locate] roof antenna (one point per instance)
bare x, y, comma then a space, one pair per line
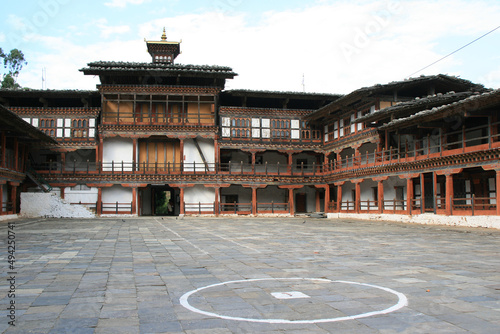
44, 78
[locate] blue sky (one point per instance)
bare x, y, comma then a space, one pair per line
331, 46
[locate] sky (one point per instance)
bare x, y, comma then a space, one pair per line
316, 46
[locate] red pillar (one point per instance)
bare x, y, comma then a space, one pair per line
62, 191
449, 194
380, 194
358, 197
217, 201
409, 195
422, 193
291, 202
181, 145
134, 154
134, 200
498, 190
13, 199
254, 200
99, 201
253, 161
181, 196
290, 162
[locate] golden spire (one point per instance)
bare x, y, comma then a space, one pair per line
164, 35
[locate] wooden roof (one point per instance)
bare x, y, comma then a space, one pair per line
410, 87
157, 69
472, 103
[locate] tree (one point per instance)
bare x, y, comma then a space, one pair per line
13, 62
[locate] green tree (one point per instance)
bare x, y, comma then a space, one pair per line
13, 62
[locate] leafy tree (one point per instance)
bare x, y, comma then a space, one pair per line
13, 62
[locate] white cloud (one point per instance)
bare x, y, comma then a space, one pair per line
124, 3
2, 37
107, 31
274, 53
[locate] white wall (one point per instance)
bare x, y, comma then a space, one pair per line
192, 154
199, 194
83, 196
118, 150
116, 193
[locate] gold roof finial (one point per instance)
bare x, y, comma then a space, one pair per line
164, 35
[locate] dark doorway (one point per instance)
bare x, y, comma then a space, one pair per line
164, 203
300, 202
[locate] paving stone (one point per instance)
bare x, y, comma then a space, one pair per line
128, 275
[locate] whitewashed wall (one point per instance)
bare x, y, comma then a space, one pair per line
199, 194
83, 196
118, 150
192, 154
116, 193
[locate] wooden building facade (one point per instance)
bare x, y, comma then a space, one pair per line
162, 138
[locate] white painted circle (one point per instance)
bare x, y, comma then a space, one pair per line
402, 302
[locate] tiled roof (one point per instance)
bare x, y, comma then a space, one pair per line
407, 83
100, 67
416, 104
472, 102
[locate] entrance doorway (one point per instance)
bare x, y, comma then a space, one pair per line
163, 201
300, 202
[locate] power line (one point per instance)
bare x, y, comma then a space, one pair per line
477, 39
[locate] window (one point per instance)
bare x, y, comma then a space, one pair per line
80, 187
347, 126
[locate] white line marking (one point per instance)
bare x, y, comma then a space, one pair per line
402, 302
182, 238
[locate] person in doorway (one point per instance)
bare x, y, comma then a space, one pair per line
170, 208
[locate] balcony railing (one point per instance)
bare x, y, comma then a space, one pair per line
157, 118
137, 168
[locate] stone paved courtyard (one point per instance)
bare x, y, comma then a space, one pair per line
247, 275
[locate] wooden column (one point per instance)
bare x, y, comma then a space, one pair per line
497, 190
217, 201
380, 195
101, 153
254, 199
134, 154
422, 193
434, 191
62, 191
291, 202
13, 197
448, 173
339, 195
290, 162
318, 204
253, 161
409, 195
327, 198
181, 145
358, 196
134, 200
99, 201
181, 194
449, 194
